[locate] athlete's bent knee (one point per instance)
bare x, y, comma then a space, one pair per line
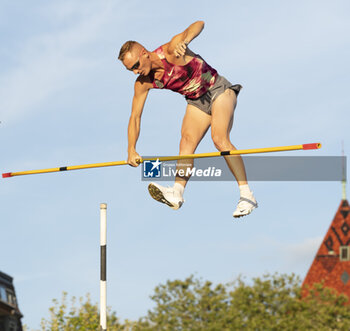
221, 142
187, 143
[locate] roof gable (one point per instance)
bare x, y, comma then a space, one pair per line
328, 266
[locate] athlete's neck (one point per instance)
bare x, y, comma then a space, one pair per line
156, 62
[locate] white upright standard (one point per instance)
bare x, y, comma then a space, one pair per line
103, 261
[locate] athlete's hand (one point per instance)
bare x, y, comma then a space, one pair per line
134, 159
180, 49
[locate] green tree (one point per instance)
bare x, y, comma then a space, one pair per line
271, 302
82, 317
188, 305
274, 302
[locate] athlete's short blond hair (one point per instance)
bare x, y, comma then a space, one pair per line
127, 47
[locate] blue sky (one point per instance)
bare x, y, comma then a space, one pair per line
65, 100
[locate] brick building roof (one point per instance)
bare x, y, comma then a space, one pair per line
332, 261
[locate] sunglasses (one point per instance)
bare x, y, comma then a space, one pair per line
137, 64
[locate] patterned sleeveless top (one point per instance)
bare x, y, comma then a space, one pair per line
191, 80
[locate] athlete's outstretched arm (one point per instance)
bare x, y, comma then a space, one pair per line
138, 102
178, 43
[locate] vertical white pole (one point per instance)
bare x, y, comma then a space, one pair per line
103, 262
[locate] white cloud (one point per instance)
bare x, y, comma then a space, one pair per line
288, 255
302, 252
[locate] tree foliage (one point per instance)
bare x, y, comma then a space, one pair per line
271, 302
82, 317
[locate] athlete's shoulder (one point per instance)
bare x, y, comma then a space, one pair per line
161, 50
166, 51
143, 83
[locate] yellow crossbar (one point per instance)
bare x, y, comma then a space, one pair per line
168, 158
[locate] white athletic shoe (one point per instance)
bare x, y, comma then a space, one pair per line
166, 195
245, 206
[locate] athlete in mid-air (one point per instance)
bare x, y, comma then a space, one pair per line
211, 101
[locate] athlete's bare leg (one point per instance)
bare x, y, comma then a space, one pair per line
221, 125
222, 119
194, 126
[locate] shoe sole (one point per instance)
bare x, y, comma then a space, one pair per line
157, 195
242, 215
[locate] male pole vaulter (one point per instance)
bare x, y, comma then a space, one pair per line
211, 101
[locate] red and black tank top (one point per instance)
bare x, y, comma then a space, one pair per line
191, 80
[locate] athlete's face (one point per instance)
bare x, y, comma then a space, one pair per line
137, 61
